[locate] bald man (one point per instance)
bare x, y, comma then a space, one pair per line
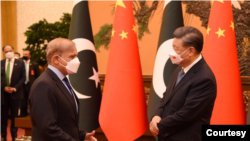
54, 106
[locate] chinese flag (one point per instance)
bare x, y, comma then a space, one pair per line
123, 114
220, 52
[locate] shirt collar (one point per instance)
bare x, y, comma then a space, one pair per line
11, 60
59, 74
192, 64
27, 61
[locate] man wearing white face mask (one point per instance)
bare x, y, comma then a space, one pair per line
54, 106
188, 102
13, 91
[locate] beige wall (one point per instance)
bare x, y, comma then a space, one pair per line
29, 12
1, 53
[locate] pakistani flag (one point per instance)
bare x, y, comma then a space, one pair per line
85, 82
163, 69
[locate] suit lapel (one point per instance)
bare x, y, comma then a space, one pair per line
77, 100
63, 89
171, 85
15, 65
3, 64
184, 80
30, 68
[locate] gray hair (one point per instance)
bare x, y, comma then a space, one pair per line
57, 47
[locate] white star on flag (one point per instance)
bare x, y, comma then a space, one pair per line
95, 77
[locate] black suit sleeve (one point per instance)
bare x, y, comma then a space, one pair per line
36, 69
3, 80
23, 75
159, 108
44, 109
82, 135
200, 97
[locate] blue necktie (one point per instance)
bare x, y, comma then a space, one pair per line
181, 74
65, 79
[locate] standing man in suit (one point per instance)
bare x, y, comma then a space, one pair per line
54, 106
2, 85
13, 91
188, 102
32, 73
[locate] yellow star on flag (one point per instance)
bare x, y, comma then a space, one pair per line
113, 32
232, 25
134, 29
220, 1
124, 34
120, 3
220, 33
208, 29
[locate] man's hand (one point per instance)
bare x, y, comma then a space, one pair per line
90, 136
153, 125
8, 89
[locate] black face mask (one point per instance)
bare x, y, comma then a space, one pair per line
25, 57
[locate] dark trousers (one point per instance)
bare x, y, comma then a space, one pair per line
12, 105
24, 101
1, 115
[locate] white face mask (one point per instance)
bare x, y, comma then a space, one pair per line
175, 58
72, 66
9, 55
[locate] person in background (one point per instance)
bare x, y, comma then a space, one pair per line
13, 90
17, 55
32, 73
2, 85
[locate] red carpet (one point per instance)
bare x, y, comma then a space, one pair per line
20, 132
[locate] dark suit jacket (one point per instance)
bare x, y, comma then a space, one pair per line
188, 106
17, 78
53, 110
3, 84
34, 72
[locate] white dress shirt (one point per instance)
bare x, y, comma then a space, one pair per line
186, 69
28, 68
12, 60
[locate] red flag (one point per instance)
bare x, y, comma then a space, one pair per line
220, 52
123, 114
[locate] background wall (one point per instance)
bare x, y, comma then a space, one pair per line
1, 54
29, 12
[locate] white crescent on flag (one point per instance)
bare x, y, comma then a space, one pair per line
81, 45
166, 2
160, 61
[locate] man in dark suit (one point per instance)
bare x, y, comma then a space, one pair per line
54, 106
2, 85
188, 102
32, 73
13, 91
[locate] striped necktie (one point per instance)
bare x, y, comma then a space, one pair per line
181, 74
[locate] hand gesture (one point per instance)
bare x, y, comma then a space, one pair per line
90, 136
